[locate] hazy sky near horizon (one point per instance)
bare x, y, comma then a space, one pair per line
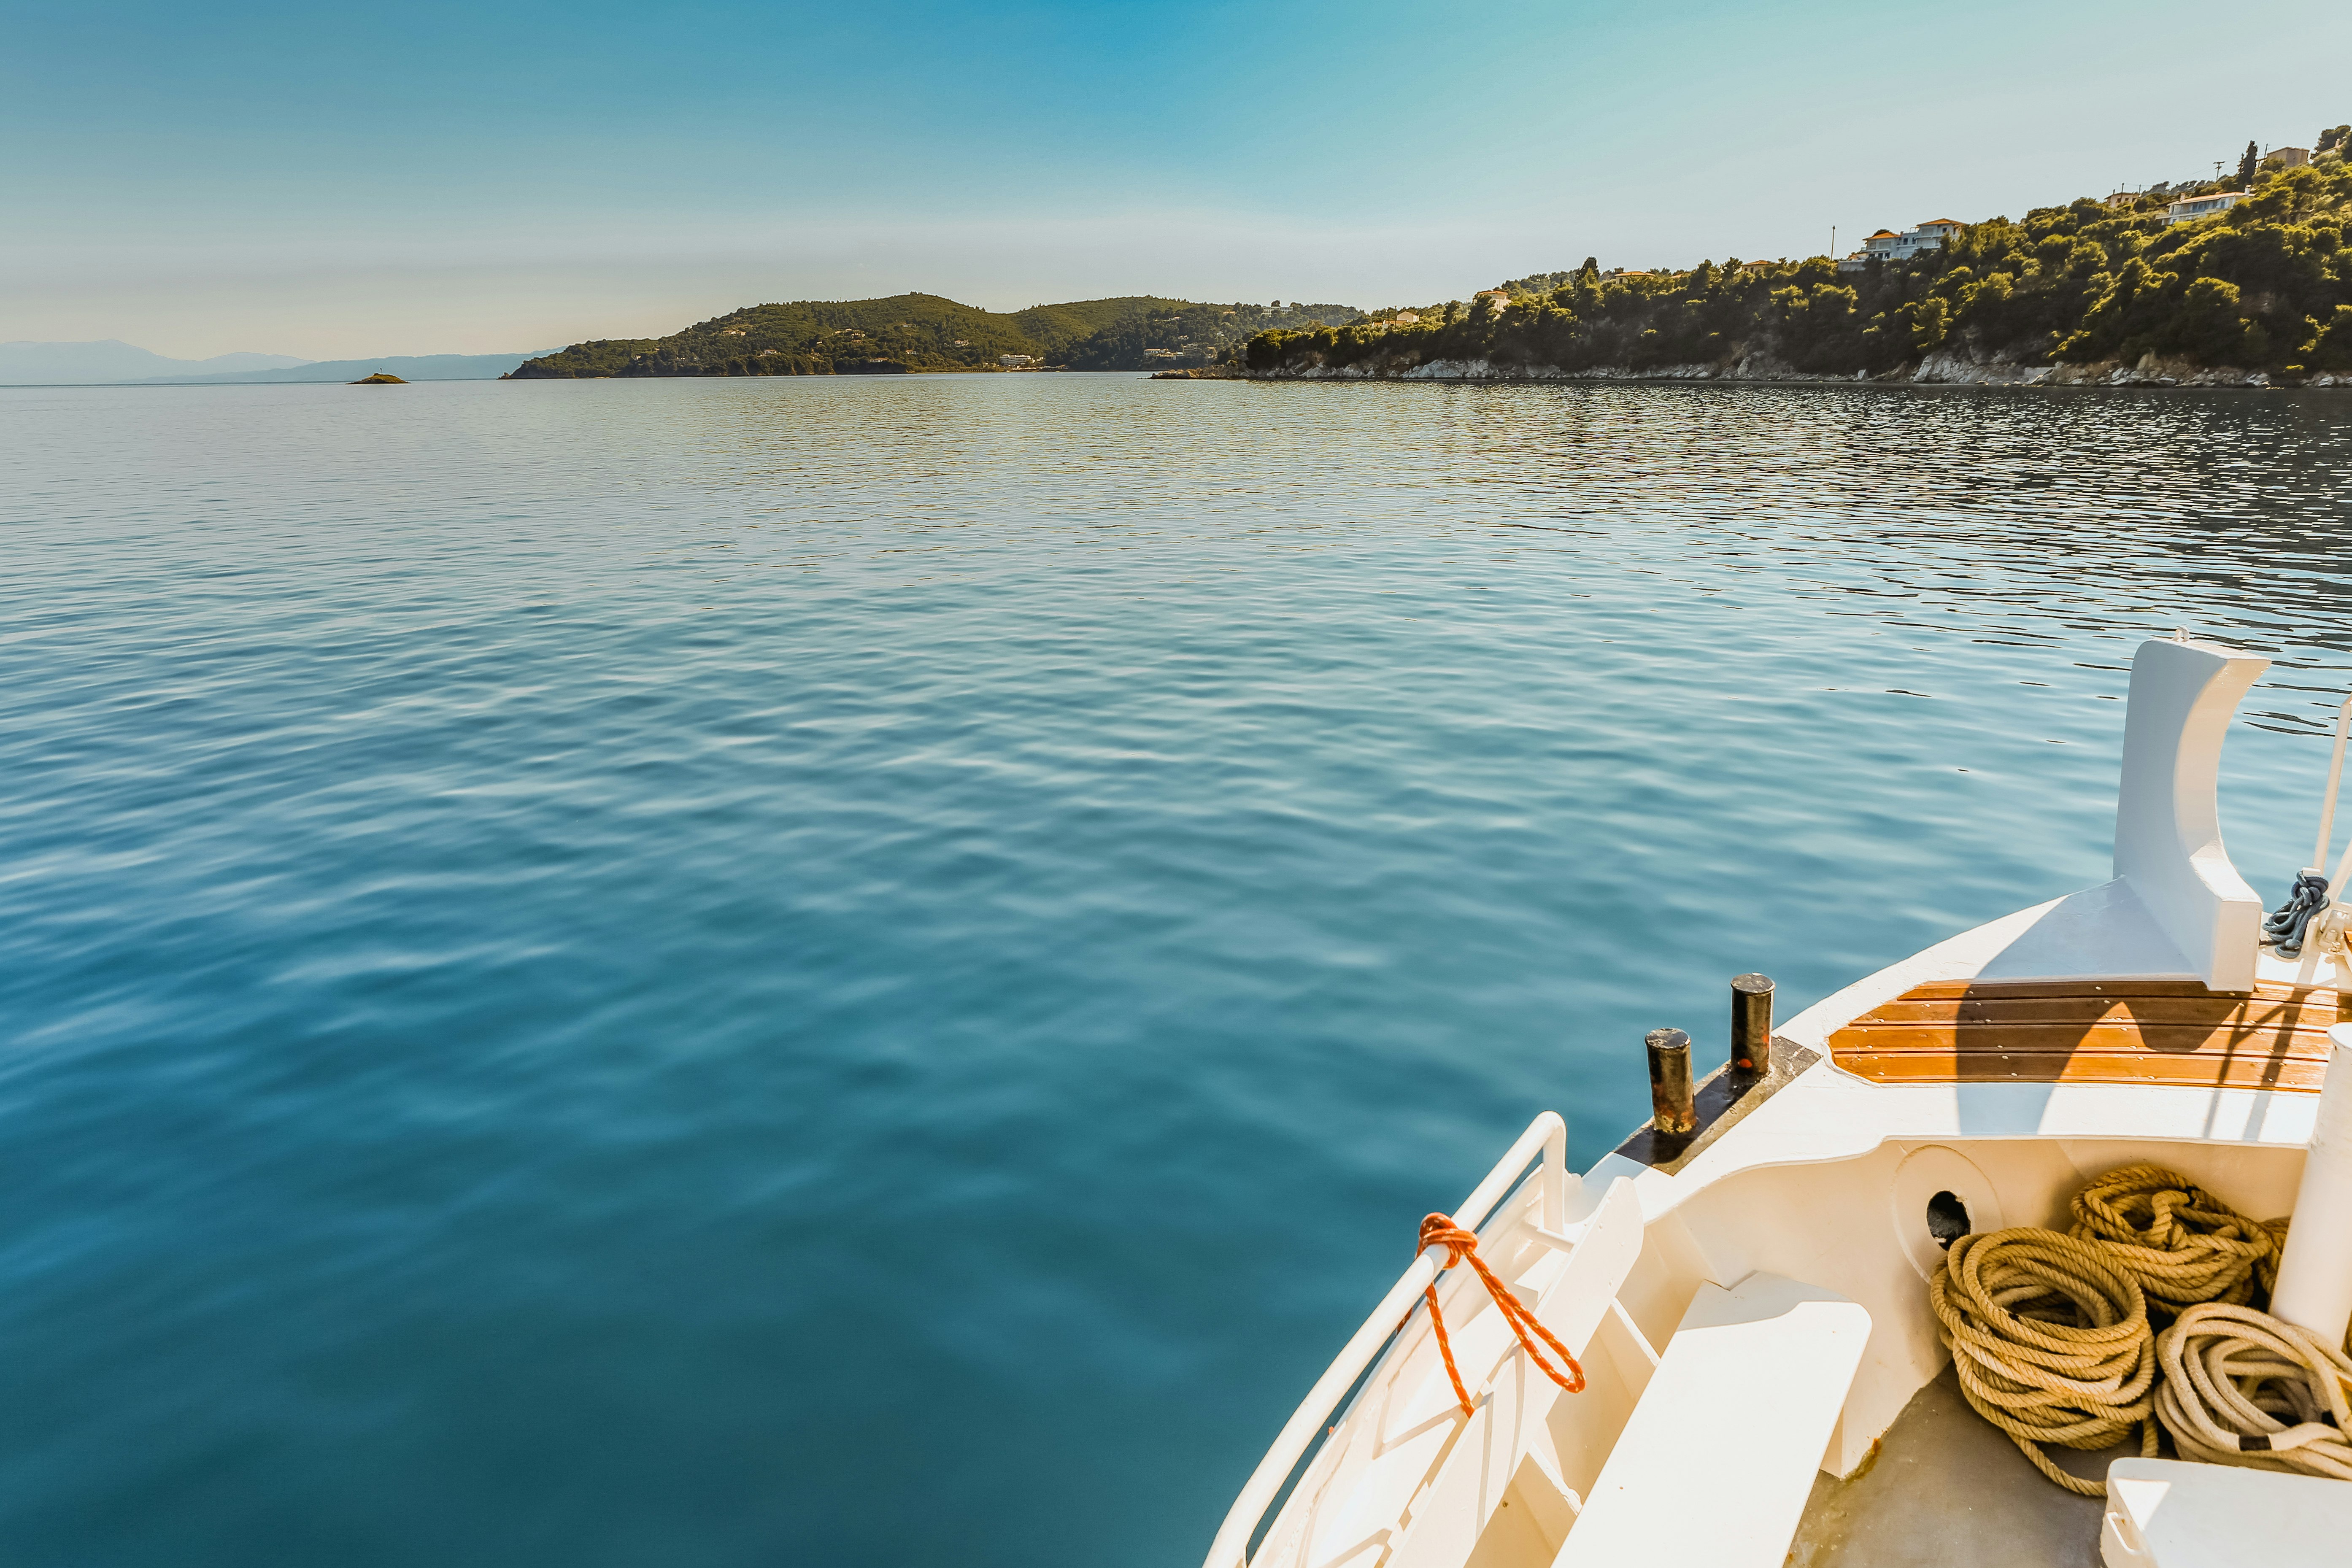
494, 176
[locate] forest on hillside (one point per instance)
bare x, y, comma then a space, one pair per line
2264, 287
926, 332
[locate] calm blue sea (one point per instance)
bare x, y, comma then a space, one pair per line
878, 971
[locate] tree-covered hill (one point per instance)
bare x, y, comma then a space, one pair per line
1177, 334
926, 332
806, 337
2264, 287
1058, 326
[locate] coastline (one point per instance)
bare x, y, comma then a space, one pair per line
1936, 370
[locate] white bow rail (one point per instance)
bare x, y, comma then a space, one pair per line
1546, 1134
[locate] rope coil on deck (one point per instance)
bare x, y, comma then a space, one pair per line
2284, 927
2051, 1334
2241, 1388
2052, 1342
1439, 1230
2184, 1245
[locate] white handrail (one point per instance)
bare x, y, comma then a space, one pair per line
2335, 777
1547, 1132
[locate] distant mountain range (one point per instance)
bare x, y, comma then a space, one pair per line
33, 364
408, 367
926, 332
114, 363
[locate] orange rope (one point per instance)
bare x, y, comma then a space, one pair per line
1439, 1230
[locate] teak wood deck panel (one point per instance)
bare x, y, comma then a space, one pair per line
2117, 1031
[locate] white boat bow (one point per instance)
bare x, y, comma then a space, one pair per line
1749, 1303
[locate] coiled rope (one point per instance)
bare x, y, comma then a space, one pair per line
1439, 1230
2283, 926
2051, 1340
2183, 1243
2241, 1387
2052, 1336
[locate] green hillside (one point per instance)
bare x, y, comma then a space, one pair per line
1058, 326
1176, 334
2094, 288
926, 332
806, 337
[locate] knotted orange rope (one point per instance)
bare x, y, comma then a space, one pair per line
1439, 1230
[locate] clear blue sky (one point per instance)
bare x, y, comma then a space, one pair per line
360, 179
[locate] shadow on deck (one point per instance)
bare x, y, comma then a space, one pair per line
1948, 1490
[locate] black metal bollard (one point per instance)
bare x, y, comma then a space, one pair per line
1751, 1024
1672, 1111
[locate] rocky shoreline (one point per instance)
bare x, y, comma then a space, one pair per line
1939, 369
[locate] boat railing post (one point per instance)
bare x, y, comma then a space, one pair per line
1672, 1110
2335, 781
1751, 1024
2314, 1277
1553, 1173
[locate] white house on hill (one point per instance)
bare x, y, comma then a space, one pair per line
2194, 207
1888, 246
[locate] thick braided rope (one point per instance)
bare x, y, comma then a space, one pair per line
2051, 1340
2241, 1387
1439, 1230
2183, 1243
